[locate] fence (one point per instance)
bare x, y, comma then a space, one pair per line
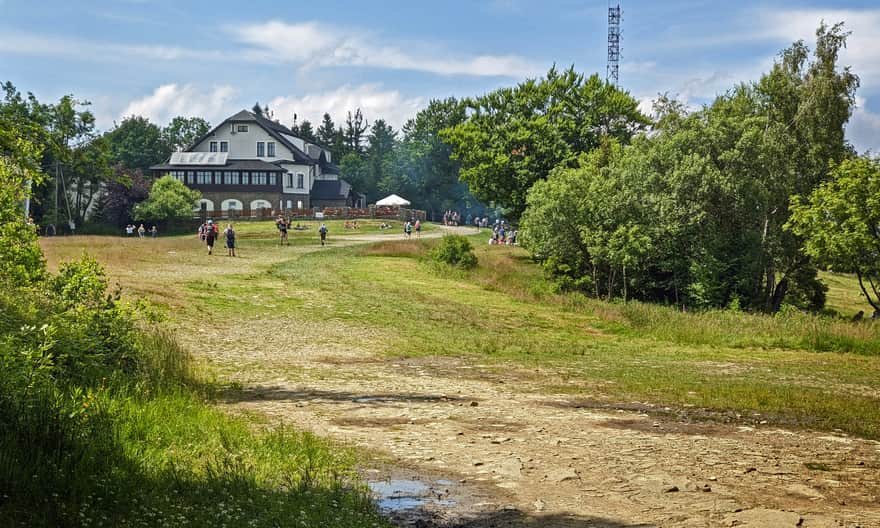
340, 213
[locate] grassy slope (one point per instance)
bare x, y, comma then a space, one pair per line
725, 363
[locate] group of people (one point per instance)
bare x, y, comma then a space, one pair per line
209, 232
352, 224
502, 233
141, 231
409, 226
451, 218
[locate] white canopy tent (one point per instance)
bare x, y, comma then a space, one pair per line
393, 200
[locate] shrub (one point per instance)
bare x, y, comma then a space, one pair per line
455, 250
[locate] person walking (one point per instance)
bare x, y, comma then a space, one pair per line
282, 226
141, 231
418, 228
210, 236
230, 240
323, 232
154, 232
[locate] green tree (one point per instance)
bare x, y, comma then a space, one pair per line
182, 132
514, 137
326, 133
353, 134
136, 143
21, 262
840, 222
169, 200
305, 131
428, 159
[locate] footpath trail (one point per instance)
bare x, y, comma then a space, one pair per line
458, 443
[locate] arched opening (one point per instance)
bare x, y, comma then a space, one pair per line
261, 208
204, 205
232, 207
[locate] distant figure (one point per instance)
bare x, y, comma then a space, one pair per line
129, 230
859, 316
141, 231
230, 240
418, 229
407, 229
282, 226
210, 236
323, 232
154, 232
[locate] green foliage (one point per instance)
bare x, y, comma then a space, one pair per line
693, 214
169, 200
840, 222
136, 143
514, 137
182, 132
455, 250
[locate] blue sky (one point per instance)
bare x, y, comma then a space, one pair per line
163, 58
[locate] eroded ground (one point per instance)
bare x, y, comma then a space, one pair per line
514, 456
491, 444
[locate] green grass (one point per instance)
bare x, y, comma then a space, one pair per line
844, 295
794, 369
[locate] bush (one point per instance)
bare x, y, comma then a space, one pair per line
455, 250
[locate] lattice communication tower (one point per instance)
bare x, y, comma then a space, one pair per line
613, 72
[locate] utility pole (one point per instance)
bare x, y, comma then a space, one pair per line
612, 74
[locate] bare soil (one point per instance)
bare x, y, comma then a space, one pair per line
506, 453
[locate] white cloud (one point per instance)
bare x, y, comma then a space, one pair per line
171, 100
863, 46
374, 101
43, 45
863, 129
312, 44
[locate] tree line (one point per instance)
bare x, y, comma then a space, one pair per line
729, 205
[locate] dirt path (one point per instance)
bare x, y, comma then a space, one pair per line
494, 451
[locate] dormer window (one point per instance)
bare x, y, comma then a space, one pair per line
241, 128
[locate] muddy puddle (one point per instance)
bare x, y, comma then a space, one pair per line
401, 495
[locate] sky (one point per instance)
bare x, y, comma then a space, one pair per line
163, 58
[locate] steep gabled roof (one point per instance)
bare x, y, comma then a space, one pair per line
271, 127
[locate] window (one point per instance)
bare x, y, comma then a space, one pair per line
203, 177
270, 149
213, 146
258, 178
289, 180
242, 128
290, 204
231, 178
300, 180
190, 177
224, 146
261, 149
272, 180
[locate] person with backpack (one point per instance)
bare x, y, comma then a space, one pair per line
210, 236
323, 232
230, 240
418, 228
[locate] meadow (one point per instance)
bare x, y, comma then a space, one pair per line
792, 369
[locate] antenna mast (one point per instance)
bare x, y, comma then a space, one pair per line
613, 71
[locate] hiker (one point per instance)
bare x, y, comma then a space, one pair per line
230, 240
141, 231
407, 230
282, 226
323, 231
210, 236
129, 230
202, 230
418, 229
154, 232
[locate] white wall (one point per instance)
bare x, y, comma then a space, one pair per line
243, 145
294, 169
